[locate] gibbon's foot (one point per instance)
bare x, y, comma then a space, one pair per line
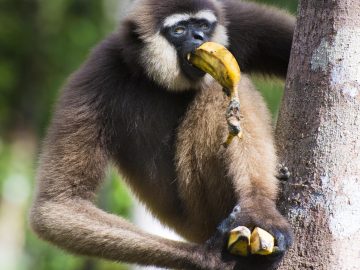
216, 255
274, 223
283, 173
263, 214
222, 232
226, 225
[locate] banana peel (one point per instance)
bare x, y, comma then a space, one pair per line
218, 61
242, 242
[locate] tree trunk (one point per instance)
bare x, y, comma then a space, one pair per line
318, 135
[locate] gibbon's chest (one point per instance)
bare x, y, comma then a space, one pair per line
144, 124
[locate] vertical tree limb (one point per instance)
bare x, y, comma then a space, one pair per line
318, 135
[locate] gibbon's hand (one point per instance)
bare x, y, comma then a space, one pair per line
263, 214
216, 255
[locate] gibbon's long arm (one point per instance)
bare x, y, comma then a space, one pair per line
72, 167
64, 213
260, 37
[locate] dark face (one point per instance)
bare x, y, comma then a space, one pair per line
186, 36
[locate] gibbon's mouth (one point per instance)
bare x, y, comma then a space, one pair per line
188, 56
190, 70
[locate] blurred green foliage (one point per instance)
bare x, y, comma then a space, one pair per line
272, 90
290, 5
41, 43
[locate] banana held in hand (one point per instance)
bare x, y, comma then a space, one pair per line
242, 242
261, 242
239, 241
216, 60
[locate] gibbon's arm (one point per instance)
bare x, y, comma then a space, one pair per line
260, 37
72, 168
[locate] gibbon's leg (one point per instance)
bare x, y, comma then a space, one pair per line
219, 178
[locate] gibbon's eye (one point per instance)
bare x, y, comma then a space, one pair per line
204, 26
179, 30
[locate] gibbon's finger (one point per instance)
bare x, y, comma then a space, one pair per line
227, 224
221, 236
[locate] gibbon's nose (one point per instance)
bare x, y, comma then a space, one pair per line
197, 35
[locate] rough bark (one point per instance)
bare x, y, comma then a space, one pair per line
318, 137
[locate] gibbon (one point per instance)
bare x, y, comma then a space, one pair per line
138, 103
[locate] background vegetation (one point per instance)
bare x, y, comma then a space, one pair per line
41, 43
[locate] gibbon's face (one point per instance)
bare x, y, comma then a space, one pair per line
171, 29
186, 33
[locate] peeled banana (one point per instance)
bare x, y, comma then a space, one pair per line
261, 242
239, 241
216, 60
242, 242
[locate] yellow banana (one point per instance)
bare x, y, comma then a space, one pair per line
216, 60
239, 241
242, 242
261, 242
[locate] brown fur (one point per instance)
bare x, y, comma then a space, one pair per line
202, 161
167, 147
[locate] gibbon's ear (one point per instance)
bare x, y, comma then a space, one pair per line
260, 37
132, 31
131, 44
